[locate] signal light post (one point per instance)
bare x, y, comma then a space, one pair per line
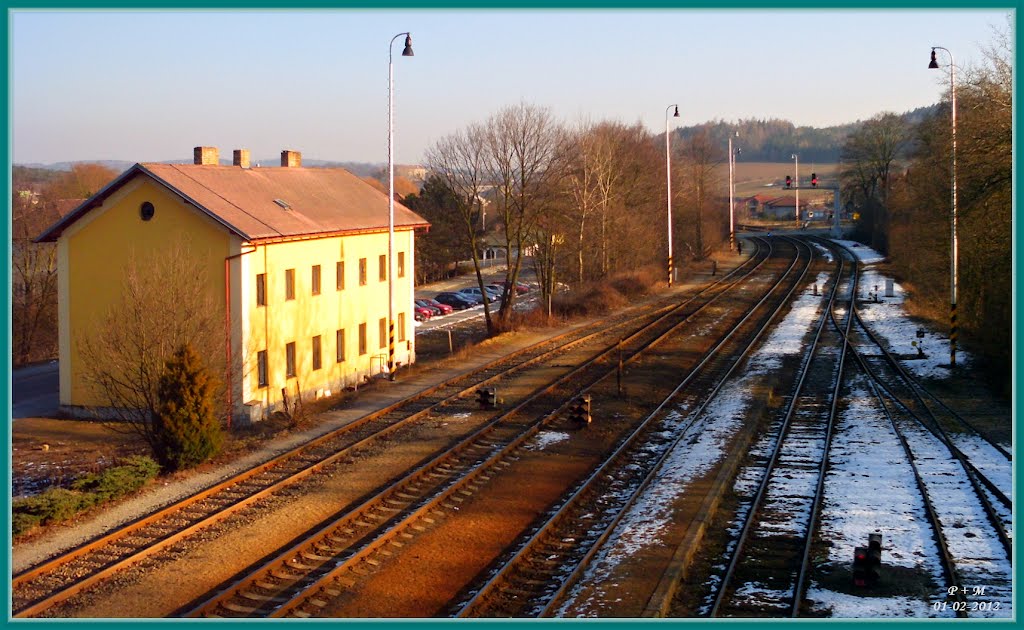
934, 65
732, 195
796, 172
668, 177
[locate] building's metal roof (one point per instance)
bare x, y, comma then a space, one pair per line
246, 201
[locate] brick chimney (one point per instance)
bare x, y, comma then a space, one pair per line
291, 159
206, 156
241, 158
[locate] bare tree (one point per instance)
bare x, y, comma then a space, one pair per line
698, 166
33, 283
867, 161
162, 307
524, 143
461, 161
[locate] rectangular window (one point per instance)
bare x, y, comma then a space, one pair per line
340, 344
362, 339
383, 332
289, 284
316, 353
401, 326
341, 274
362, 272
261, 368
289, 360
382, 267
401, 264
261, 289
315, 281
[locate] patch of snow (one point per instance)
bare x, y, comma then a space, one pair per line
543, 439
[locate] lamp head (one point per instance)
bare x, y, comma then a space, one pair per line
676, 114
408, 46
934, 64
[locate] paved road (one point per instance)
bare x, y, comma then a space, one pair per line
34, 391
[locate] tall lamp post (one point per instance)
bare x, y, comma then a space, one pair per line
953, 254
407, 52
732, 194
668, 179
796, 184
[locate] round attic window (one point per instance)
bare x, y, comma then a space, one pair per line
146, 211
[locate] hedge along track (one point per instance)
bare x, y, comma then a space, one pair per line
536, 576
59, 578
290, 584
776, 559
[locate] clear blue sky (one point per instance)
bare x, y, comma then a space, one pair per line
149, 86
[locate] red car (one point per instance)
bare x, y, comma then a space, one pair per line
437, 307
422, 313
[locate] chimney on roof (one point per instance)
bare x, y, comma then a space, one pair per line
206, 156
241, 158
291, 159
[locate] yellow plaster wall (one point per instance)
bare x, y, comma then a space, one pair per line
96, 251
281, 321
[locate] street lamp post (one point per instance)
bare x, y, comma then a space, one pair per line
668, 179
796, 184
407, 52
732, 195
953, 254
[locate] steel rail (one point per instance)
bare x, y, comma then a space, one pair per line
760, 494
133, 528
478, 600
209, 605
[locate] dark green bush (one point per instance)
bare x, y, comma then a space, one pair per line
186, 429
59, 504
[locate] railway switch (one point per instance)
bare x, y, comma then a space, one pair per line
487, 397
579, 411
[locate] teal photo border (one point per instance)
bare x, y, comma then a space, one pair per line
428, 5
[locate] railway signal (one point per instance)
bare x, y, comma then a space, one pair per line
867, 562
487, 397
814, 180
789, 181
579, 411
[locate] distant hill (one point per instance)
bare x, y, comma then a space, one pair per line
771, 140
775, 140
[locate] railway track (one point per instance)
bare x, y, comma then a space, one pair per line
287, 593
60, 578
769, 562
448, 478
970, 515
535, 578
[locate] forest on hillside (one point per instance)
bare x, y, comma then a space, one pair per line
776, 140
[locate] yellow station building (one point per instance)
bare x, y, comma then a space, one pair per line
296, 262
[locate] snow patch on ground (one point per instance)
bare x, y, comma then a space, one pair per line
543, 439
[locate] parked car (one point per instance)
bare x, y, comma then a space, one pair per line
475, 293
422, 314
434, 310
456, 300
445, 308
520, 287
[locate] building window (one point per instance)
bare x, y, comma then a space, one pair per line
261, 368
315, 281
289, 360
401, 264
362, 272
261, 289
401, 326
383, 332
341, 274
316, 353
382, 267
362, 339
340, 344
289, 284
